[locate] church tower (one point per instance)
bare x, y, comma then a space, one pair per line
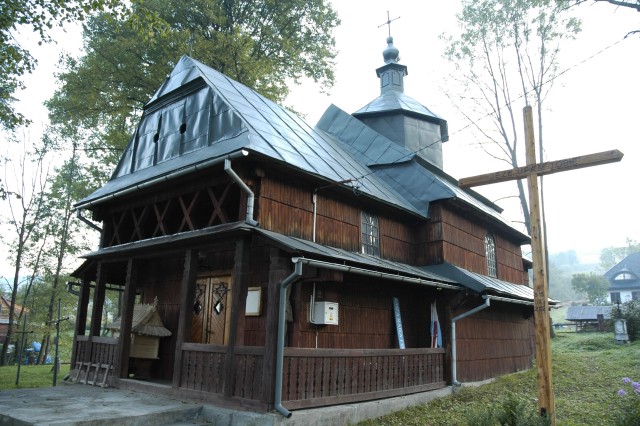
401, 118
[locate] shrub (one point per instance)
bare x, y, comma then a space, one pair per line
629, 410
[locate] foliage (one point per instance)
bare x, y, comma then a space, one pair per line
38, 16
582, 381
611, 256
507, 54
594, 287
630, 311
511, 410
265, 45
628, 412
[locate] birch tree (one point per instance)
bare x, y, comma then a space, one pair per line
506, 57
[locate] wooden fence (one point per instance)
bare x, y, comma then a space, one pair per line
318, 377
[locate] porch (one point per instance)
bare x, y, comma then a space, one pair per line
311, 377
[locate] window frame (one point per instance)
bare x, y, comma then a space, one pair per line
369, 234
490, 253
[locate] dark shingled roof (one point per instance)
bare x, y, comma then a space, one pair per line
626, 274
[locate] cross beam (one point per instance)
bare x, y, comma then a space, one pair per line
546, 168
531, 171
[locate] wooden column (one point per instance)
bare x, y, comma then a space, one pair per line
541, 299
279, 269
126, 319
241, 270
98, 301
81, 318
187, 294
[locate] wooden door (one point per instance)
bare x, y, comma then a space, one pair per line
211, 311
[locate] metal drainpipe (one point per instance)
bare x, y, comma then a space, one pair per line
250, 197
486, 304
277, 403
87, 221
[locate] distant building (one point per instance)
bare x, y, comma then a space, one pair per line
5, 305
624, 281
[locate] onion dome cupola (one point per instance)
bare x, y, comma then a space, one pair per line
401, 118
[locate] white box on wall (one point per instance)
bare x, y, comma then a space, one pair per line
325, 313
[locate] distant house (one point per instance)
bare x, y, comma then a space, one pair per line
624, 279
5, 305
583, 316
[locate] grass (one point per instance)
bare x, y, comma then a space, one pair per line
31, 376
587, 372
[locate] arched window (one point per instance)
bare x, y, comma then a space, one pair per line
490, 250
623, 276
370, 234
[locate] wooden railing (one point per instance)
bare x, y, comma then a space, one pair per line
317, 377
97, 350
203, 369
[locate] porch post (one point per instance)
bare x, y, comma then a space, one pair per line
239, 294
98, 302
187, 294
279, 269
126, 319
81, 315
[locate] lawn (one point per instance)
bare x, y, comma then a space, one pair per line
587, 373
31, 376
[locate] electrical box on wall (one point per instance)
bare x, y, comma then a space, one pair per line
325, 313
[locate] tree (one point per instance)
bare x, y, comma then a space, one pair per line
593, 287
26, 212
38, 16
506, 56
610, 256
266, 45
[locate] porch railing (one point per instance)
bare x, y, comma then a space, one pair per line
97, 350
317, 377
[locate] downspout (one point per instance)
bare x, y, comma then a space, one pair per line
250, 197
277, 402
315, 206
87, 221
454, 378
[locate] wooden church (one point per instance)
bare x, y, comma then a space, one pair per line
299, 266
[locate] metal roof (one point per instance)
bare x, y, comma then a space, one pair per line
629, 265
223, 116
393, 101
587, 313
400, 168
482, 283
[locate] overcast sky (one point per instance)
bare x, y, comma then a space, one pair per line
592, 108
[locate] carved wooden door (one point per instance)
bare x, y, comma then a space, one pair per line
211, 310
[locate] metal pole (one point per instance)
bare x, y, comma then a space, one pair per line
24, 325
56, 362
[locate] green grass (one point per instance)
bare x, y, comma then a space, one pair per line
587, 372
31, 376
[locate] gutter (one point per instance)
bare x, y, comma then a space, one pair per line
178, 173
487, 302
293, 277
87, 221
250, 197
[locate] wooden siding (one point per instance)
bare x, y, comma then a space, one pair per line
498, 340
288, 209
366, 317
456, 238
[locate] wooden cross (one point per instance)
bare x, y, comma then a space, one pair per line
540, 294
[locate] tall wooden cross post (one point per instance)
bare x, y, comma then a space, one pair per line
540, 293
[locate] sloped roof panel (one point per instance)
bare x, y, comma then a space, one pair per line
397, 101
587, 313
225, 117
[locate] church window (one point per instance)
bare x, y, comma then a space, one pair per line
370, 234
490, 249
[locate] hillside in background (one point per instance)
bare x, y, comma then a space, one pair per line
562, 267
